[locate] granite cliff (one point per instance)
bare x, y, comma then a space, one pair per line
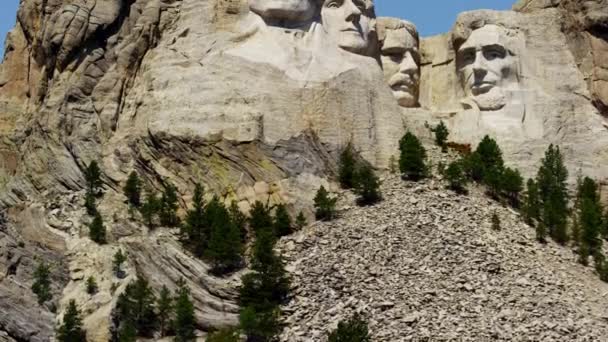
254, 100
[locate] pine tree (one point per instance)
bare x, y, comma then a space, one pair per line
195, 230
531, 208
142, 301
412, 160
489, 154
301, 221
260, 326
71, 327
164, 310
441, 135
456, 177
150, 208
353, 330
92, 176
91, 285
589, 217
132, 190
184, 323
512, 184
224, 335
90, 204
42, 283
367, 185
117, 261
541, 232
551, 180
239, 219
259, 217
282, 221
168, 207
225, 243
474, 167
493, 180
325, 206
97, 230
495, 221
346, 167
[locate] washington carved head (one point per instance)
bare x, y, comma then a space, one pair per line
351, 23
487, 64
400, 59
284, 12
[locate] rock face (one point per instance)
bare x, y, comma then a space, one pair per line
255, 99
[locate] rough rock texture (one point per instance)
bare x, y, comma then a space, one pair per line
425, 264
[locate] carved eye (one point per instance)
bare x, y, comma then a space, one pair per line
333, 4
493, 53
468, 57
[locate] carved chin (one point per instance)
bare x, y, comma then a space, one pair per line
406, 99
353, 43
491, 100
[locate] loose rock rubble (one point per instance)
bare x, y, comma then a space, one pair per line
425, 264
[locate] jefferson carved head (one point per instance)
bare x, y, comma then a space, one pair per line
284, 11
351, 23
400, 59
487, 65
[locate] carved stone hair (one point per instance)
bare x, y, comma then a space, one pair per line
384, 24
471, 21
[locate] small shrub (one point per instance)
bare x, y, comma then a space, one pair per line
132, 190
42, 283
412, 162
456, 177
346, 167
91, 285
97, 230
325, 206
495, 221
301, 221
367, 185
353, 330
441, 135
117, 261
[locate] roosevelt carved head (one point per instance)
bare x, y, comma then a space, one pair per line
400, 59
284, 11
487, 65
351, 23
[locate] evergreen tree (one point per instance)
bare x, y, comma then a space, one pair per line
71, 327
325, 206
225, 243
195, 230
259, 217
551, 180
456, 177
492, 178
224, 335
260, 325
495, 221
239, 219
150, 208
282, 221
473, 167
165, 310
132, 190
489, 154
136, 307
346, 167
42, 283
301, 221
589, 218
117, 261
531, 208
168, 207
441, 135
353, 330
92, 175
412, 160
184, 323
541, 232
367, 185
97, 231
127, 332
512, 184
91, 285
89, 203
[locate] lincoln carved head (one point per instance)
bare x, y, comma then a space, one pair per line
284, 11
399, 41
487, 65
351, 23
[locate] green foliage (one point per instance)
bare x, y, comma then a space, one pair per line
97, 230
346, 167
195, 230
456, 176
551, 180
492, 178
90, 204
132, 190
92, 175
259, 217
185, 322
71, 326
164, 306
260, 326
239, 219
225, 246
168, 207
301, 221
473, 167
541, 232
412, 162
42, 283
224, 335
441, 135
136, 307
325, 206
353, 330
127, 332
489, 154
531, 207
495, 221
282, 222
91, 285
367, 184
512, 184
117, 261
150, 209
589, 217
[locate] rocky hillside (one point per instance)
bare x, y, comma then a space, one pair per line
425, 263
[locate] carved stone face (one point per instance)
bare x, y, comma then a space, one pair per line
486, 67
279, 10
400, 61
349, 23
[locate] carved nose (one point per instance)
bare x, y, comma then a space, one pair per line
408, 64
353, 12
479, 65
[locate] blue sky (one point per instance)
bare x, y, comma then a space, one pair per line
431, 16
